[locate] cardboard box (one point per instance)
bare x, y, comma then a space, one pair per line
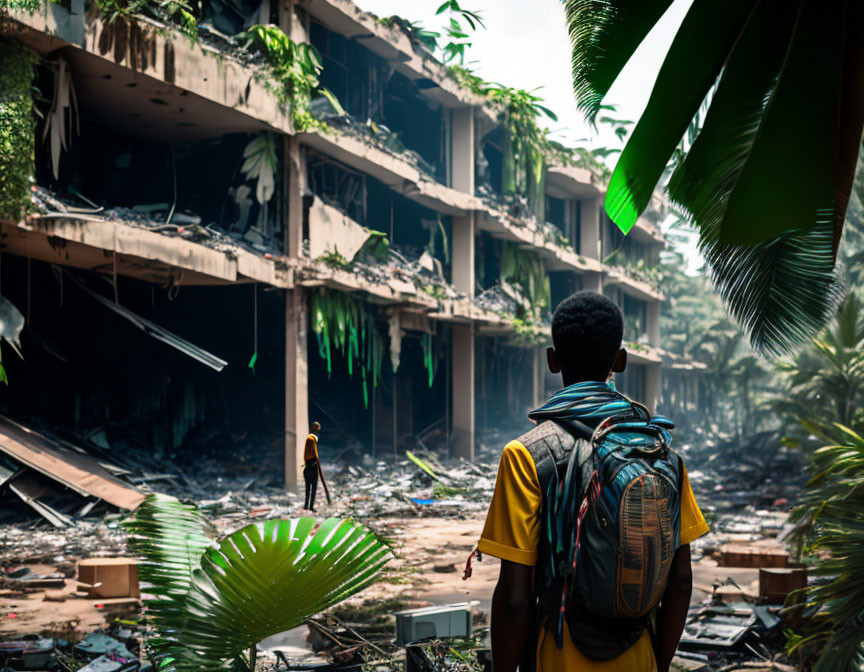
734, 555
776, 583
109, 577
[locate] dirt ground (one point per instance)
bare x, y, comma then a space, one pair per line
431, 555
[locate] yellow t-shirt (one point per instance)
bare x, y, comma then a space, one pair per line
512, 532
310, 450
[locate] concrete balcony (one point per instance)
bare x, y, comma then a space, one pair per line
391, 169
108, 245
151, 80
573, 182
557, 257
635, 287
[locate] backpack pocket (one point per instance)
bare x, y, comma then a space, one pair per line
646, 544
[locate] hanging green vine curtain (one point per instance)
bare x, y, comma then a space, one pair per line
16, 130
345, 324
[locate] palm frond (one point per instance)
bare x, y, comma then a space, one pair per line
603, 37
829, 514
781, 292
753, 174
688, 73
264, 579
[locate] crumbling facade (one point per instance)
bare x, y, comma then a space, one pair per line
367, 271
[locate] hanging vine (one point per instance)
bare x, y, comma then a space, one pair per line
17, 126
525, 269
343, 323
433, 353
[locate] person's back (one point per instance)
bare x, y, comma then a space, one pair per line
592, 518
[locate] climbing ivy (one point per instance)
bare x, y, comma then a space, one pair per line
17, 124
343, 323
29, 6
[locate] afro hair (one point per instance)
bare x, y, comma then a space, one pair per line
587, 329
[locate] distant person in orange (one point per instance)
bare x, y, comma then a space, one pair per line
312, 467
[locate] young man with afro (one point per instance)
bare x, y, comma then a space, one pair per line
587, 330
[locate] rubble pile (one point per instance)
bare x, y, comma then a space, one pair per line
743, 487
418, 486
159, 218
373, 133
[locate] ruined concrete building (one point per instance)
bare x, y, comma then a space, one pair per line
199, 264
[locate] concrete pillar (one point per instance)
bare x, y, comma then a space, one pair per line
295, 187
290, 20
652, 386
652, 326
296, 386
539, 377
462, 149
592, 282
591, 209
463, 391
464, 251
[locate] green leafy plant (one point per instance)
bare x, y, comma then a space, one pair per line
334, 259
17, 158
525, 269
259, 165
177, 12
828, 519
769, 212
528, 332
825, 382
213, 602
343, 323
28, 6
295, 67
459, 38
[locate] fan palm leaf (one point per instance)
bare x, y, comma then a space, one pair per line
774, 161
830, 514
261, 580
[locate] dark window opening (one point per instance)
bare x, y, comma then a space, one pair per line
144, 181
368, 89
419, 127
632, 382
562, 284
504, 386
623, 250
556, 213
635, 314
490, 163
410, 227
152, 403
403, 405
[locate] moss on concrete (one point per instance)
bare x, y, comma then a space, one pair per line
17, 126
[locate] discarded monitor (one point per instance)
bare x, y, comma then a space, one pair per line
718, 627
109, 577
452, 620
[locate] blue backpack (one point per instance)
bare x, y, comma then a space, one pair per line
611, 522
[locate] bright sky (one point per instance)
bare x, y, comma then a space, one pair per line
531, 50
